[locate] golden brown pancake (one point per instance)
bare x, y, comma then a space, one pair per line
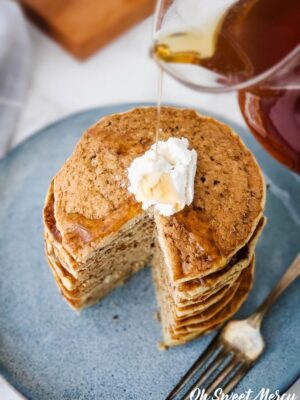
97, 235
181, 336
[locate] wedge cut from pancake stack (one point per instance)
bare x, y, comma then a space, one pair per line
97, 235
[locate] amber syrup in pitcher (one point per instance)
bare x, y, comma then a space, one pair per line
252, 37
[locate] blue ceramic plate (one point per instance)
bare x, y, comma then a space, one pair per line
110, 351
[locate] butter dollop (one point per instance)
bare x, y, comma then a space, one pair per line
163, 177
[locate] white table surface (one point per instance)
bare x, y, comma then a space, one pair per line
121, 72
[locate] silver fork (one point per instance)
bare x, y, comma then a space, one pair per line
235, 349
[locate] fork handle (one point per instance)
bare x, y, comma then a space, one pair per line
290, 275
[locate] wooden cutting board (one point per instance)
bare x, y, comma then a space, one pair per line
83, 26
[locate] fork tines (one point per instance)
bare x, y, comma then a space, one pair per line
218, 368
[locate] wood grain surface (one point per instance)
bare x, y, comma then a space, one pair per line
84, 26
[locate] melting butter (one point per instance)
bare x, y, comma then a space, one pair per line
164, 176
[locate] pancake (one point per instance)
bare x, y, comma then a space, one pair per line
229, 307
200, 315
203, 302
196, 313
182, 335
77, 291
98, 167
195, 288
97, 235
199, 312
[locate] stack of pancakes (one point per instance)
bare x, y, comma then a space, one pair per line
199, 305
97, 235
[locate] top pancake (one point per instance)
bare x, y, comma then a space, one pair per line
91, 200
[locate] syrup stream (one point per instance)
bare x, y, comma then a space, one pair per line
158, 107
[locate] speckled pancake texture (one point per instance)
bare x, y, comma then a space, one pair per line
97, 235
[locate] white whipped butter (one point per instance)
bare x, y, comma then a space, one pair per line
164, 177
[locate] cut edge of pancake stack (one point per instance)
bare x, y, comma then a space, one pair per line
84, 284
193, 299
185, 316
